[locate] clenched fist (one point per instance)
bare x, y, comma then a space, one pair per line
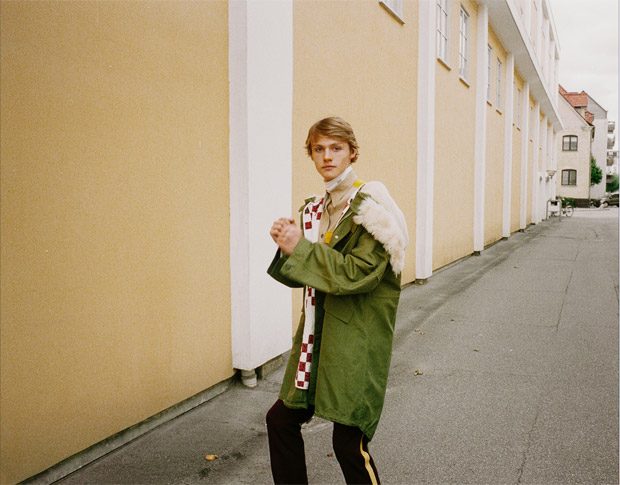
285, 234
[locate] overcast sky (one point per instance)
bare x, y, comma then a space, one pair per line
588, 35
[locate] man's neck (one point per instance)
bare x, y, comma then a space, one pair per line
334, 183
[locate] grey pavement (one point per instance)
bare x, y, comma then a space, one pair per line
505, 371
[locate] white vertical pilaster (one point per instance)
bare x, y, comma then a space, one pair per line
550, 163
260, 42
508, 119
543, 168
527, 17
535, 168
538, 33
426, 140
551, 64
545, 52
525, 144
556, 87
481, 124
543, 143
553, 161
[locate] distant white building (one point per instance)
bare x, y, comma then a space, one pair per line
581, 113
574, 147
612, 155
599, 144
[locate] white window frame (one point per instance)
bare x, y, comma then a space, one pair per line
498, 94
463, 43
489, 58
395, 8
442, 30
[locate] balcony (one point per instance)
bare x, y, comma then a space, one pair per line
611, 126
611, 141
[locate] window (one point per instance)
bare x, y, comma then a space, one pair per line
489, 57
442, 30
463, 40
569, 177
498, 94
569, 143
395, 7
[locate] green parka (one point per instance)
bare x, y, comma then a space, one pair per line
357, 290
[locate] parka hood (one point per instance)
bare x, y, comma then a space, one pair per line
382, 218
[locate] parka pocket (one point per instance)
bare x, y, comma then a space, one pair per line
341, 307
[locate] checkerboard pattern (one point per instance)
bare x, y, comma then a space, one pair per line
311, 221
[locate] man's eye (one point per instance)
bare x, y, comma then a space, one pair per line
318, 149
337, 148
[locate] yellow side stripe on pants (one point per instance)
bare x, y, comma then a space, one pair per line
371, 472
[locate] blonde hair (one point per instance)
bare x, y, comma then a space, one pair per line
333, 127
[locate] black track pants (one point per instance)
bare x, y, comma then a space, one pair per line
286, 448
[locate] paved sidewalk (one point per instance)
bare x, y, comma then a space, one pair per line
505, 370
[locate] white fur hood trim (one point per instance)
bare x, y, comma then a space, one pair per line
382, 218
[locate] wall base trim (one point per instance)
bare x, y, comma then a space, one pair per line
102, 448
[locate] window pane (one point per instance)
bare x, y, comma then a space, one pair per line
569, 177
463, 44
442, 32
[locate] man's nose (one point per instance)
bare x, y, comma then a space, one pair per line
327, 154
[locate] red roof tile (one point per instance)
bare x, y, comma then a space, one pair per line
577, 100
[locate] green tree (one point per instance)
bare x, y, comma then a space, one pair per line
612, 184
596, 174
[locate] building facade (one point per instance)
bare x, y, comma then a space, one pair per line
599, 145
586, 139
147, 147
574, 149
611, 170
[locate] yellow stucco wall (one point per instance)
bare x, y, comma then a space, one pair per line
517, 152
455, 124
115, 287
370, 80
494, 173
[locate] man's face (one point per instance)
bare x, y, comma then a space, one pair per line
331, 157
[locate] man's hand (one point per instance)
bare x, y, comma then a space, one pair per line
285, 234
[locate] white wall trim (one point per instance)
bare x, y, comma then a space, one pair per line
426, 140
481, 125
508, 119
551, 143
535, 169
543, 169
525, 148
260, 41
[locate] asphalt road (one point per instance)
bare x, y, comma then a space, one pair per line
504, 371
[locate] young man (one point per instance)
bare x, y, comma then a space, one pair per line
348, 256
